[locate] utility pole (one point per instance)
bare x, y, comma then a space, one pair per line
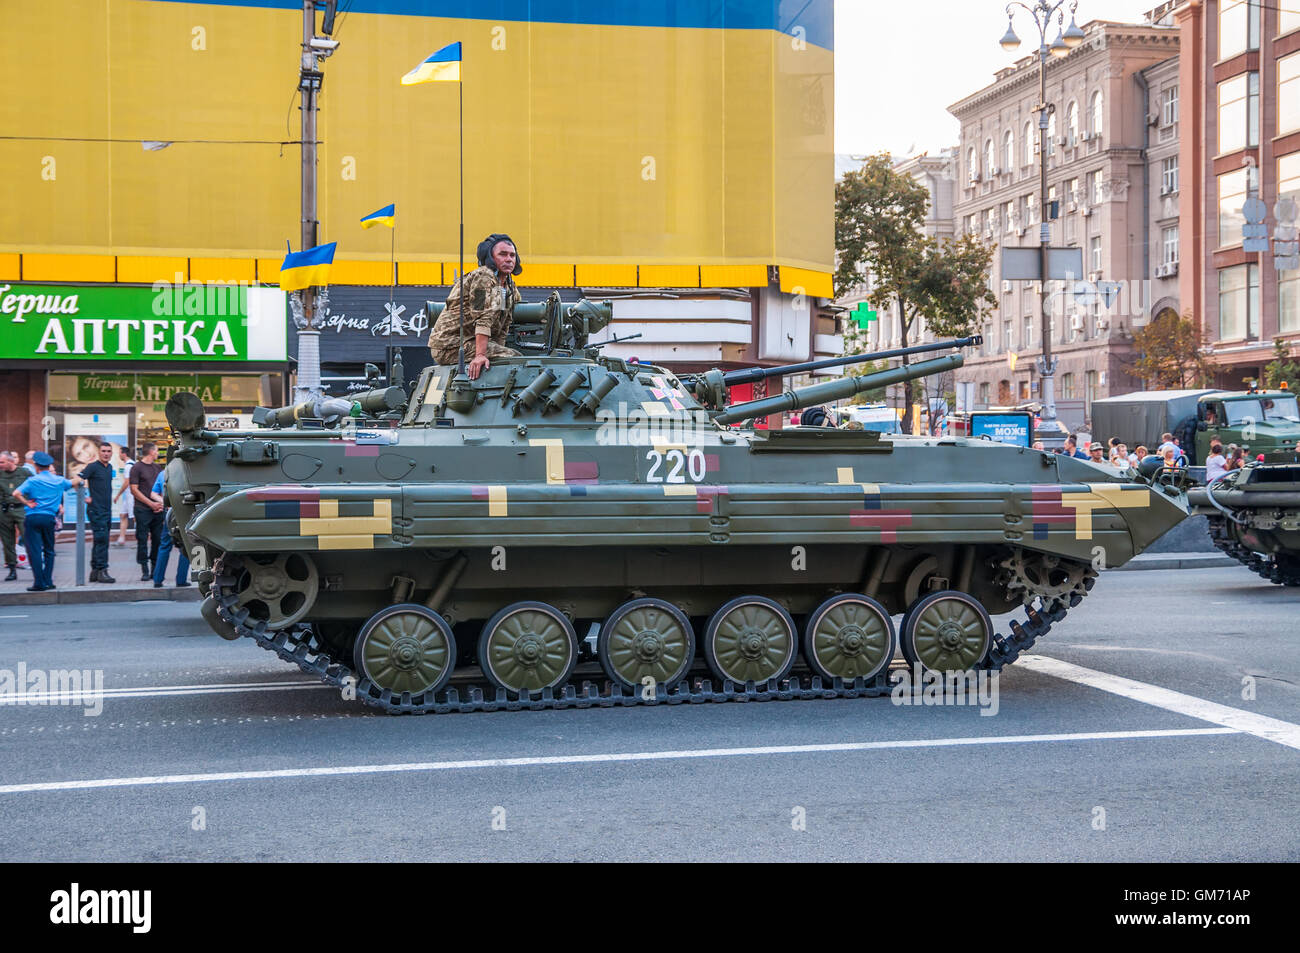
307, 305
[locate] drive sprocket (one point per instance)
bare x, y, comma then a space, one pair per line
1033, 575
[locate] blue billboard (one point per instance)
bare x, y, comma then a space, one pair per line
1012, 428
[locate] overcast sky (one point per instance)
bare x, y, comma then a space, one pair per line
899, 65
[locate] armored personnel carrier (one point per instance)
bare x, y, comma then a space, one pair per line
1254, 515
572, 529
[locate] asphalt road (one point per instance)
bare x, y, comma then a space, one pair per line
1074, 765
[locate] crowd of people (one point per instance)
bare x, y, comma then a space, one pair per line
32, 511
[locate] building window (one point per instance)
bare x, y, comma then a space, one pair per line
1239, 113
1072, 124
1239, 303
1090, 385
968, 225
1234, 188
1031, 143
1027, 339
1072, 194
1009, 212
1238, 27
990, 159
1008, 151
1288, 94
1169, 107
972, 167
1169, 245
1024, 391
984, 393
1051, 134
1095, 113
1288, 19
1094, 253
1008, 334
1026, 216
1288, 282
1067, 387
1094, 188
1169, 175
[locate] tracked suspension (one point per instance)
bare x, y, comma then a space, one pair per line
1275, 570
300, 645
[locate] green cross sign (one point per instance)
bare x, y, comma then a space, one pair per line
863, 315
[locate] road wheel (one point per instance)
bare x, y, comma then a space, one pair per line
849, 636
528, 646
947, 631
646, 638
750, 639
406, 648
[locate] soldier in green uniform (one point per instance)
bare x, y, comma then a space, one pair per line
489, 296
11, 511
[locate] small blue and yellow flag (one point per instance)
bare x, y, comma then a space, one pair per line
441, 67
302, 269
384, 216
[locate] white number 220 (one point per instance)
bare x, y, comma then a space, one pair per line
680, 464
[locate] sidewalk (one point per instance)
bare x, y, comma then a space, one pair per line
121, 566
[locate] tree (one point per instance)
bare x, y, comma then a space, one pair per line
1281, 368
879, 215
1170, 354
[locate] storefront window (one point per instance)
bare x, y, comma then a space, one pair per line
1239, 113
1234, 187
1238, 27
1288, 94
128, 409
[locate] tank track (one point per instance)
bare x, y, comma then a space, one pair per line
1271, 568
300, 646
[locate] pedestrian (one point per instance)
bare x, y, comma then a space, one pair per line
148, 511
11, 511
1095, 451
99, 480
28, 463
1141, 453
165, 549
125, 501
42, 494
1072, 448
1216, 464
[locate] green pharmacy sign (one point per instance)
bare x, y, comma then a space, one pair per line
199, 322
863, 314
146, 388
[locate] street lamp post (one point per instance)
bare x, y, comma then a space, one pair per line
1067, 39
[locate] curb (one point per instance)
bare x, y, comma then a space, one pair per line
1178, 561
75, 597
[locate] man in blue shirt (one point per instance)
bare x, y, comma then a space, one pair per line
165, 547
42, 494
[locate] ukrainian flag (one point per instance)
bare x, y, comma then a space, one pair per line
441, 67
302, 269
384, 216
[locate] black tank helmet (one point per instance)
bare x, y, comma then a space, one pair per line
485, 251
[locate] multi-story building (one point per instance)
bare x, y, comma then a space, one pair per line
1104, 151
1241, 73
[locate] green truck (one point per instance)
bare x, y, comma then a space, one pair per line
1263, 421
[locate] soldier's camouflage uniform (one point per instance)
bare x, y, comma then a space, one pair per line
489, 309
12, 513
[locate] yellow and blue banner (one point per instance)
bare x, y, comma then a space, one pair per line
441, 67
302, 269
385, 216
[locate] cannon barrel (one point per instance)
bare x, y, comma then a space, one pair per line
749, 375
837, 390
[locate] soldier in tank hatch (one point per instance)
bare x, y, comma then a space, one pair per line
489, 296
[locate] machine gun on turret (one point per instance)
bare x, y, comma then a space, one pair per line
711, 388
548, 326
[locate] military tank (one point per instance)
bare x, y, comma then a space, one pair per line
571, 529
1254, 515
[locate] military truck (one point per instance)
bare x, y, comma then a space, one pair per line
1262, 420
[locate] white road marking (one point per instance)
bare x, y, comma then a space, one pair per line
1261, 726
13, 616
157, 691
491, 763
